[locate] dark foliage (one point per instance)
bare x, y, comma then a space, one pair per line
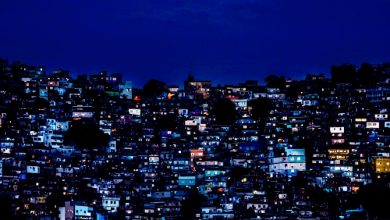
366, 74
41, 104
260, 110
345, 73
374, 200
225, 111
85, 136
6, 209
166, 122
308, 144
292, 91
192, 204
333, 205
236, 174
154, 88
274, 81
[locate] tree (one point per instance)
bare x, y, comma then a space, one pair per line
6, 204
192, 204
292, 91
373, 197
366, 74
86, 136
225, 111
260, 110
154, 88
274, 81
41, 104
345, 73
168, 122
306, 141
236, 174
333, 205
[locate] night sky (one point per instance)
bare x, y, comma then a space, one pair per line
225, 41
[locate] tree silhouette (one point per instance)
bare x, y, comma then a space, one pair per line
366, 74
307, 142
166, 122
154, 88
85, 136
292, 91
274, 81
6, 208
192, 204
225, 111
373, 197
260, 110
236, 174
41, 104
345, 73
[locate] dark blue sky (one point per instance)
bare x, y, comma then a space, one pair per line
224, 40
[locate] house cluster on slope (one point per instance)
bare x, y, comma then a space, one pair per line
164, 157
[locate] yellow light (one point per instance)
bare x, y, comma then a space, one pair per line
170, 95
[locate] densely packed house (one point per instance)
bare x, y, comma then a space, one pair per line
94, 147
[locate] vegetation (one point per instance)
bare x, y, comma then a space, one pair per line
85, 136
274, 81
225, 111
260, 109
154, 88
